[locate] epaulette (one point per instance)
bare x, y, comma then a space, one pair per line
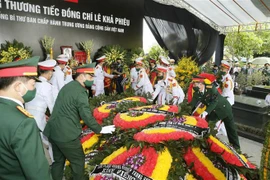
20, 108
209, 86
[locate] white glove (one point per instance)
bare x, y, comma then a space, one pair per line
150, 100
204, 114
107, 129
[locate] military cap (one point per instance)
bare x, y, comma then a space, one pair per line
225, 64
139, 61
202, 78
101, 59
161, 68
62, 59
47, 65
27, 67
87, 69
152, 61
164, 60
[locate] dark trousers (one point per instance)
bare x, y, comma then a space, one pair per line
119, 87
231, 132
73, 152
230, 128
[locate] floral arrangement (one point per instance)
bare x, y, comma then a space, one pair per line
265, 163
185, 69
13, 51
47, 43
174, 129
155, 165
153, 151
114, 52
104, 110
155, 52
147, 115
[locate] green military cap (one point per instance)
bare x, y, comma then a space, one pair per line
87, 68
27, 67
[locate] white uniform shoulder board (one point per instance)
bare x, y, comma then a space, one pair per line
26, 113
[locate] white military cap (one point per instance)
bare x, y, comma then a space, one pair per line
225, 64
62, 59
101, 59
161, 68
139, 60
164, 60
47, 65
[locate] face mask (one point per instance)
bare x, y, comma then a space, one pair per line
87, 83
160, 77
29, 95
196, 89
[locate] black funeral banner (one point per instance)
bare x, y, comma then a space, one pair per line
197, 131
118, 171
106, 22
180, 32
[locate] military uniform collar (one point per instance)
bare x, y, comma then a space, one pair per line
43, 79
57, 68
13, 100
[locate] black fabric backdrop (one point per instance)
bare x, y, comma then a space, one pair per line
180, 32
219, 49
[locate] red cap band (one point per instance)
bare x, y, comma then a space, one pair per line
45, 68
61, 62
18, 71
86, 70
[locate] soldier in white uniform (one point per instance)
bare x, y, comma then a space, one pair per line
227, 82
134, 72
227, 88
164, 61
171, 68
68, 74
43, 99
160, 87
98, 86
174, 92
167, 89
58, 78
143, 82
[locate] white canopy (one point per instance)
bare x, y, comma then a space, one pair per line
228, 15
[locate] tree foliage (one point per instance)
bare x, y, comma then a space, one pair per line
243, 44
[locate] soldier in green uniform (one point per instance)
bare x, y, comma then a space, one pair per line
63, 128
217, 107
21, 151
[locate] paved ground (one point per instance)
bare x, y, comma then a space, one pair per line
251, 148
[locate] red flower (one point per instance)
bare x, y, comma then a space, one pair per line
159, 137
122, 123
87, 137
173, 108
198, 167
202, 123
